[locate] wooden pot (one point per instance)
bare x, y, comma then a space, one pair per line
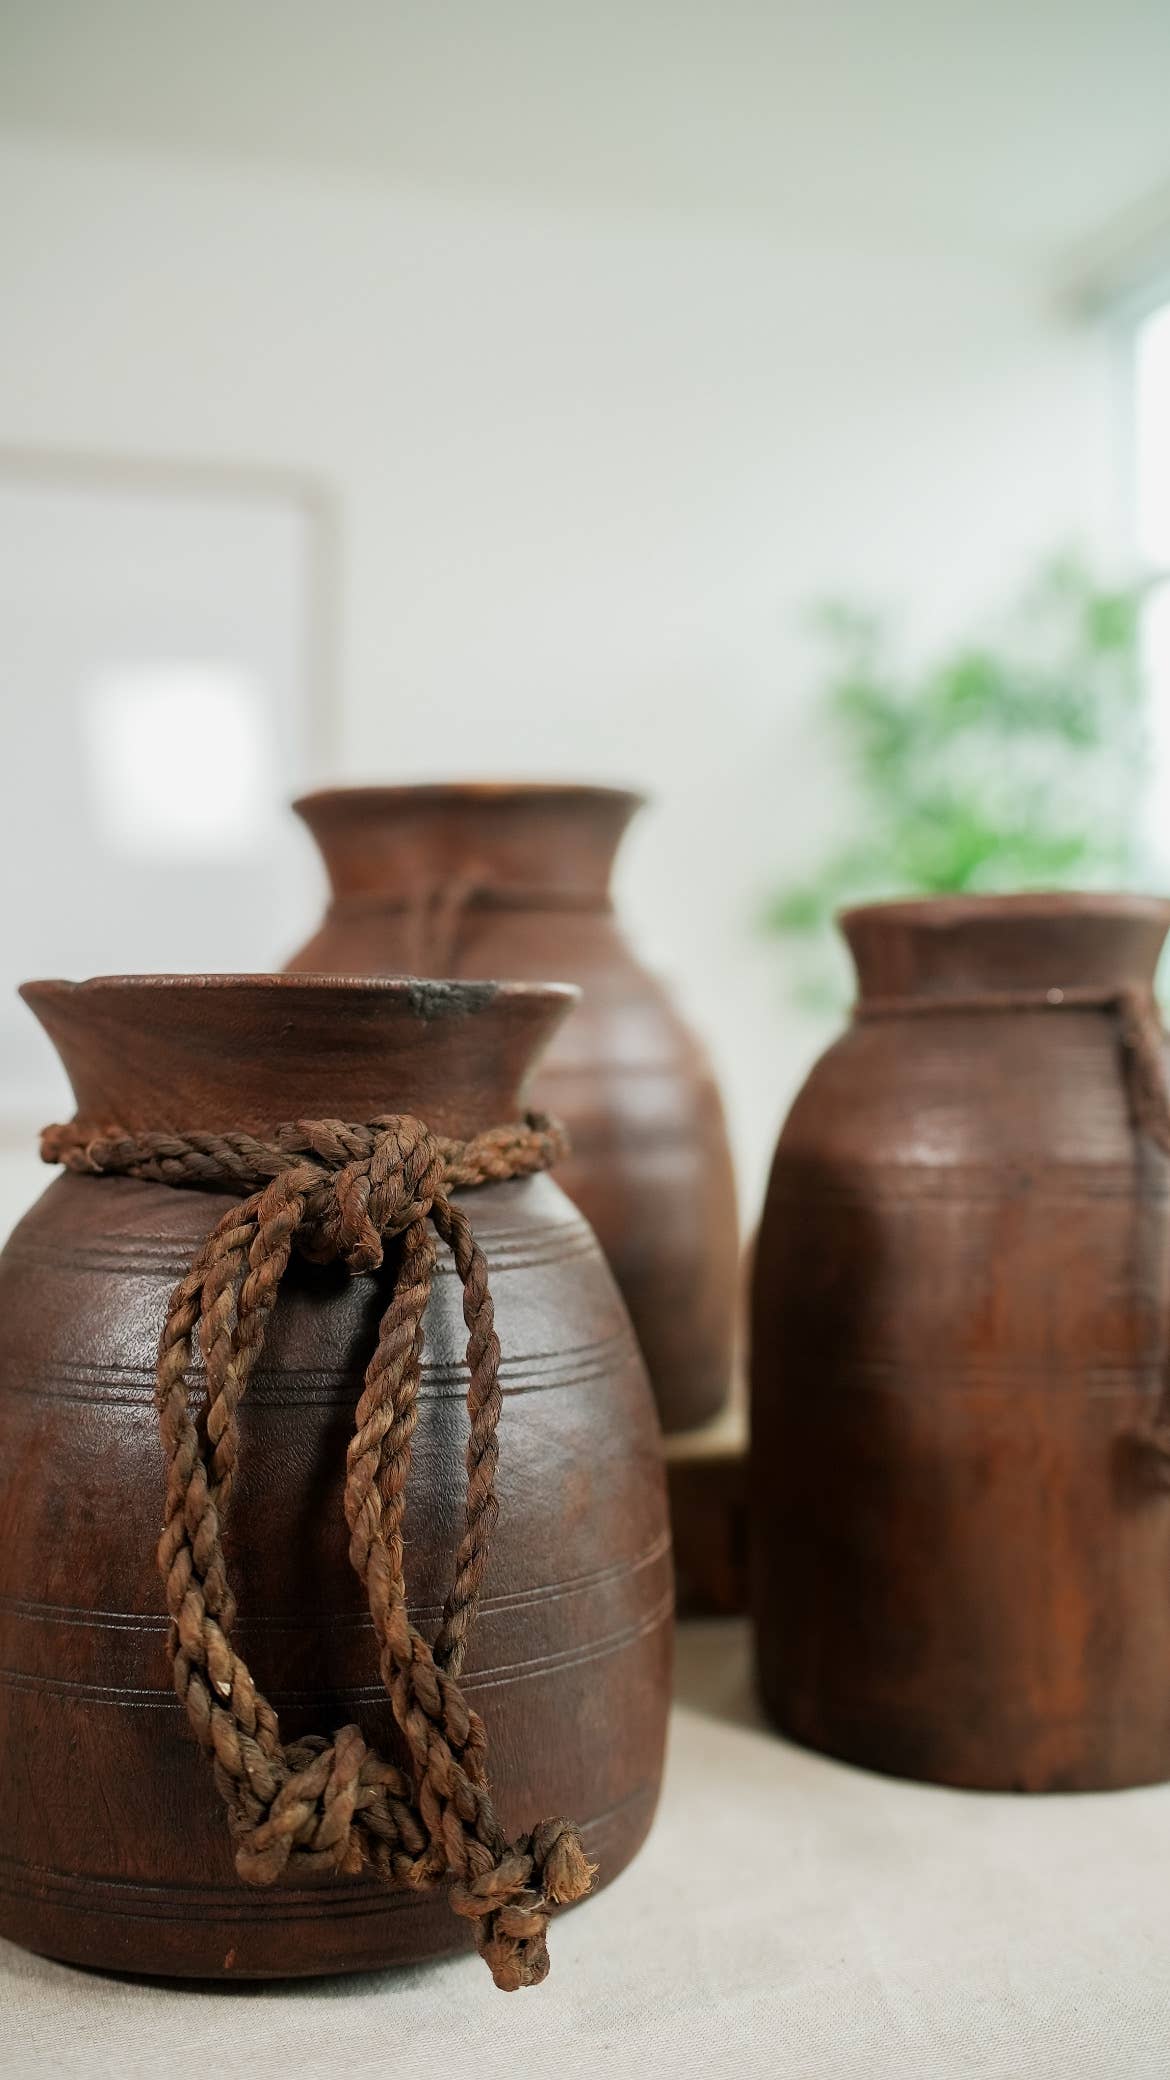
960, 1506
481, 881
115, 1849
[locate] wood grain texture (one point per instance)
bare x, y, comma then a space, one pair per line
115, 1851
961, 1519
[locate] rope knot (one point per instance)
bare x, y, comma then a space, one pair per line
513, 1901
309, 1820
354, 1200
334, 1190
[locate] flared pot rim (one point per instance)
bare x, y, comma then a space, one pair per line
417, 991
145, 1051
455, 792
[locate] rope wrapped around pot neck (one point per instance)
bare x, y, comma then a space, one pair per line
1143, 1036
435, 913
333, 1190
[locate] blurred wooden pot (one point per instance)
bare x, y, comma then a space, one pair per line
514, 880
708, 1512
961, 1517
115, 1849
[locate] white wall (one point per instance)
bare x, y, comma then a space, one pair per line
591, 465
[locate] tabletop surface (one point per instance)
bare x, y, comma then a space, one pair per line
788, 1916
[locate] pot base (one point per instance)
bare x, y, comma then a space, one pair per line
224, 1931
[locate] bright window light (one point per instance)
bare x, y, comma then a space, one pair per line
176, 760
1152, 468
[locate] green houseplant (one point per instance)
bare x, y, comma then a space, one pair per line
1010, 762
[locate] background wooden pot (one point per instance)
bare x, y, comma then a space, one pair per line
480, 881
961, 1519
115, 1848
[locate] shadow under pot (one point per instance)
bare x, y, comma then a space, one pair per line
514, 880
960, 1479
411, 1707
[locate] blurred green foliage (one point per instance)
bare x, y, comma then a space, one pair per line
1013, 762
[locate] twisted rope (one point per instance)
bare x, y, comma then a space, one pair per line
332, 1190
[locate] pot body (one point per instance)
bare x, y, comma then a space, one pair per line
960, 1508
482, 881
115, 1845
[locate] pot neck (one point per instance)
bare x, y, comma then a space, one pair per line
966, 947
251, 1052
551, 846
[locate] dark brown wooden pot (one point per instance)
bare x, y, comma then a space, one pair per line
960, 1506
482, 880
113, 1844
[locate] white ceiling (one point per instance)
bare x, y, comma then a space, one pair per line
1008, 126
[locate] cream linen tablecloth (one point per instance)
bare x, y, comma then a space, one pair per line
788, 1916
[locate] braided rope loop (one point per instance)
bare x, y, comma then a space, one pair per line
336, 1191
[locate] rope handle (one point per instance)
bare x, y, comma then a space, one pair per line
1143, 1036
334, 1190
1143, 1056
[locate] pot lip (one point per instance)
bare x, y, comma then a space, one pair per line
457, 993
942, 912
454, 792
